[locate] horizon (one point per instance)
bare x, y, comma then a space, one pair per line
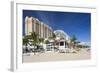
73, 23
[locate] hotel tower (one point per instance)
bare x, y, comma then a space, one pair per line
33, 24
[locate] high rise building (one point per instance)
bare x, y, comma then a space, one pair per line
42, 29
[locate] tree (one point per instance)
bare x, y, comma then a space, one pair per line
79, 46
53, 38
34, 40
46, 41
76, 43
26, 42
73, 41
41, 40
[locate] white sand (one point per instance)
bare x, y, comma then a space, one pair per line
51, 56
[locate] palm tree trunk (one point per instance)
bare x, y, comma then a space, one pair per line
34, 50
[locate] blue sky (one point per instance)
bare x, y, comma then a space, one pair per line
73, 23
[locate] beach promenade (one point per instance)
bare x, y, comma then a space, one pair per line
56, 56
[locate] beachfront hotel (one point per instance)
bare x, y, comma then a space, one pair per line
61, 42
33, 24
45, 31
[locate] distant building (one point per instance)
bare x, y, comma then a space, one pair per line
33, 24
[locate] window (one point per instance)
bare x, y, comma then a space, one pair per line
61, 43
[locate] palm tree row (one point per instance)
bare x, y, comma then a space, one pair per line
32, 39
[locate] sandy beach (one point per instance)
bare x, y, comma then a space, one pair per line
56, 56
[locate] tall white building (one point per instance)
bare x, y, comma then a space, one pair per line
33, 24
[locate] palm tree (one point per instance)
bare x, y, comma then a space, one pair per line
34, 39
41, 40
76, 43
46, 41
73, 41
53, 36
46, 44
26, 42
